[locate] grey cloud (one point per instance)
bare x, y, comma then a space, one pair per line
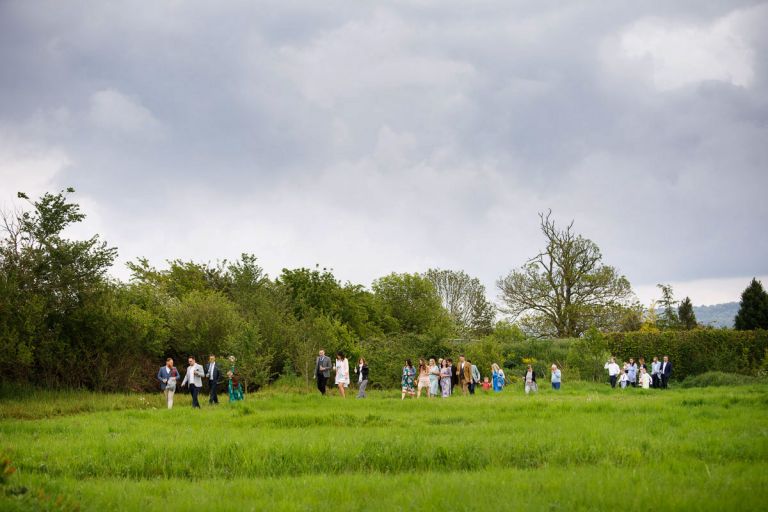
393, 136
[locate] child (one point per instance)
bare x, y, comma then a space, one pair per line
486, 384
623, 379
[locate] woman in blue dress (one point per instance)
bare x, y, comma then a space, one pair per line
498, 377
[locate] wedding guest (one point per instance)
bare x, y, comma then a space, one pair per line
409, 375
632, 372
167, 375
423, 382
362, 371
641, 363
656, 372
454, 374
486, 384
475, 372
322, 371
445, 378
556, 377
342, 374
194, 377
666, 372
465, 374
530, 380
645, 379
434, 378
497, 374
613, 371
213, 374
623, 379
234, 388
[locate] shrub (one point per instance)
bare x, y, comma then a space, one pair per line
716, 379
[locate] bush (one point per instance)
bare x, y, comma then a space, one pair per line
697, 351
717, 379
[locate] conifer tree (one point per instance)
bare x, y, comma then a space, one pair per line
686, 315
753, 310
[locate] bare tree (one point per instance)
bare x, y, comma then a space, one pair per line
464, 298
565, 289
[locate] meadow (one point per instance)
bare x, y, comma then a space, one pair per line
586, 447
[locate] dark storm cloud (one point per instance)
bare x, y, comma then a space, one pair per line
396, 136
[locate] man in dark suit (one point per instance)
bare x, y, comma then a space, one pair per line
212, 373
322, 371
666, 372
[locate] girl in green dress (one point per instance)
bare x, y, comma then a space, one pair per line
234, 387
408, 380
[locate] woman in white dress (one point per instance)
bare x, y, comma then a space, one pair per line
342, 373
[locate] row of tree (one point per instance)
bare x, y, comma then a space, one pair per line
65, 322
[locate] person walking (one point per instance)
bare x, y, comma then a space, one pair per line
194, 378
454, 374
423, 382
556, 377
666, 372
632, 372
613, 371
498, 377
465, 375
212, 373
342, 373
362, 372
234, 388
656, 373
445, 378
322, 371
167, 375
475, 372
408, 379
623, 379
530, 380
434, 378
645, 379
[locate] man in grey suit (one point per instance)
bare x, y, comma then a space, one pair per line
194, 377
322, 371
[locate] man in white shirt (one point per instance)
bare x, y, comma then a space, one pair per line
613, 371
656, 373
194, 377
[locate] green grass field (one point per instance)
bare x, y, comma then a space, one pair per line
584, 448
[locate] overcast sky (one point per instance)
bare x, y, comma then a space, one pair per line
373, 137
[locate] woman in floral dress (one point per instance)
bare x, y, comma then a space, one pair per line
445, 378
409, 379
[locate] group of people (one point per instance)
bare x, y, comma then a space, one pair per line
636, 374
432, 377
168, 376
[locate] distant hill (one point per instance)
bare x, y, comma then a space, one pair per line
717, 315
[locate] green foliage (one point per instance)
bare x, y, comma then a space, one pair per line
686, 315
587, 355
753, 309
201, 323
717, 379
464, 299
566, 288
668, 319
696, 351
412, 301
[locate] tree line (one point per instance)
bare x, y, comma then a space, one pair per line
64, 322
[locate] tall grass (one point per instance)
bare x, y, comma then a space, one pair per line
552, 449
